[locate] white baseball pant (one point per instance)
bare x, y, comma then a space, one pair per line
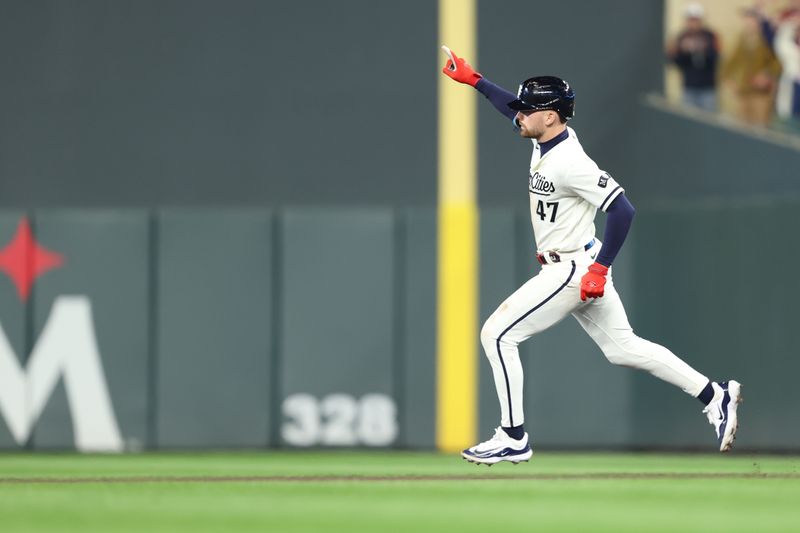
545, 300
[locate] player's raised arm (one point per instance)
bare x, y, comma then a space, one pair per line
459, 70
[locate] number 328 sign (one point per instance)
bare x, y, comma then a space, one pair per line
339, 420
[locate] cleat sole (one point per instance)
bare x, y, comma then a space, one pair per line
735, 426
494, 460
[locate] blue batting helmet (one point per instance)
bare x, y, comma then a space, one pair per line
545, 92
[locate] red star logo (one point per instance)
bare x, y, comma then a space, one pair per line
23, 259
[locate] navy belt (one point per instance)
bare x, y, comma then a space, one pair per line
554, 257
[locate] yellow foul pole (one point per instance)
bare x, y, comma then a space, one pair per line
457, 284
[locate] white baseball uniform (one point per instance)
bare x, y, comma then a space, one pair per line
566, 188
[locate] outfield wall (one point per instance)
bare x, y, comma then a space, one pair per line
220, 328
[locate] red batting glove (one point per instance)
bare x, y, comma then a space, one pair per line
593, 282
463, 72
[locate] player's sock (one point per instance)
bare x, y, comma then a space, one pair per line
707, 394
516, 432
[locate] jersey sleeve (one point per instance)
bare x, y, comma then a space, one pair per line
595, 186
499, 97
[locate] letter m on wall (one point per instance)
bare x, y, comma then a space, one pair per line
67, 348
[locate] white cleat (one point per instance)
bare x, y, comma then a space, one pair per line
721, 412
500, 447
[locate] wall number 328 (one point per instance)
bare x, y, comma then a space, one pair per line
339, 420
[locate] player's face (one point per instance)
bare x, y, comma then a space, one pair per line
533, 124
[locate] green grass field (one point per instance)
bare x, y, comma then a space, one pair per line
397, 491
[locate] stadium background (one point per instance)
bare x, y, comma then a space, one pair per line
246, 193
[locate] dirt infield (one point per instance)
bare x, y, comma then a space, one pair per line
373, 479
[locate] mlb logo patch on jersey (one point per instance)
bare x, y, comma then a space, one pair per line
603, 180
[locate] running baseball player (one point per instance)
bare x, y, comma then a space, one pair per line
566, 188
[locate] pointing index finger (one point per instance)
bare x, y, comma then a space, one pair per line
452, 57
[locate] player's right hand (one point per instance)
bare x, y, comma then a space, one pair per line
594, 281
462, 73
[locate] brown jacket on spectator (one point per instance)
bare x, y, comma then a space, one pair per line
752, 67
752, 71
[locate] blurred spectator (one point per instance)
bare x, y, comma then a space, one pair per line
752, 72
787, 48
695, 52
783, 34
792, 7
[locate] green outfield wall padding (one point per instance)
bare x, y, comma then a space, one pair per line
715, 285
336, 328
13, 308
214, 328
105, 263
315, 327
417, 294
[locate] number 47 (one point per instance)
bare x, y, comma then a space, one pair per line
540, 210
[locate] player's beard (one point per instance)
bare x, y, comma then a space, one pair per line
530, 133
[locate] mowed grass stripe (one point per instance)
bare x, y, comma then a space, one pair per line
340, 463
337, 479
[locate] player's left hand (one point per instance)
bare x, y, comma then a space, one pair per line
459, 70
593, 283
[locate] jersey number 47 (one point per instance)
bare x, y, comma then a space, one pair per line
552, 207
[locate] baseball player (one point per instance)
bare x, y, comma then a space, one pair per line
566, 188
